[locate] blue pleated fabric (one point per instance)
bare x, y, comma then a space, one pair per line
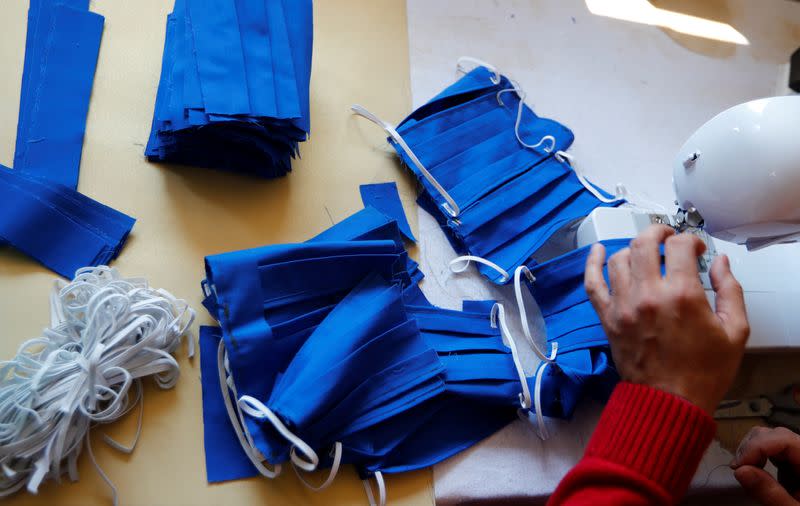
583, 364
57, 226
385, 198
234, 87
512, 198
61, 48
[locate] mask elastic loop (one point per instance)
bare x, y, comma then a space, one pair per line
381, 490
454, 265
257, 409
450, 206
460, 67
337, 461
498, 316
563, 157
523, 315
237, 419
537, 400
522, 94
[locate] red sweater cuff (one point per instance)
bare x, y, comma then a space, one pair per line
658, 435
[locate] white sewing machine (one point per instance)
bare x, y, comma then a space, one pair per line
737, 185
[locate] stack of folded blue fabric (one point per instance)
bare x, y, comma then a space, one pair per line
234, 85
41, 212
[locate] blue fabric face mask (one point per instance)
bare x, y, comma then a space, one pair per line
493, 173
582, 364
347, 371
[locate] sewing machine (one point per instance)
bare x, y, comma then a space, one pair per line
737, 186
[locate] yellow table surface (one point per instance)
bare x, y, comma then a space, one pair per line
184, 213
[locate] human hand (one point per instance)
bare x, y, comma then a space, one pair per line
782, 447
662, 330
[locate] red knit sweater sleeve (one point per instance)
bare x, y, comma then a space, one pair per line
644, 451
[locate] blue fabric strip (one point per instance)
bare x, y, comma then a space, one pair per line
58, 227
56, 88
385, 198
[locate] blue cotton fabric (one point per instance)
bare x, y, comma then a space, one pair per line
234, 88
61, 48
511, 198
41, 213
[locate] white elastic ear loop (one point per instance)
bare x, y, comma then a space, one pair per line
238, 424
563, 157
381, 490
337, 461
521, 94
255, 408
498, 315
450, 206
537, 400
523, 315
466, 259
460, 67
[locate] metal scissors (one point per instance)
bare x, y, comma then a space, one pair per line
779, 410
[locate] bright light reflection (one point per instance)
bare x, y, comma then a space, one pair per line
642, 11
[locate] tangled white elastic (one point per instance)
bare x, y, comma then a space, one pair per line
107, 332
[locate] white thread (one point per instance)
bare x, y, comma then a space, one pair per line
523, 315
470, 258
237, 418
460, 67
450, 207
498, 315
381, 490
257, 409
337, 461
107, 332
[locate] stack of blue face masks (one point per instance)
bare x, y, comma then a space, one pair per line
41, 213
234, 85
492, 172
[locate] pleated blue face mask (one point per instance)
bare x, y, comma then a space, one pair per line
354, 369
578, 361
493, 173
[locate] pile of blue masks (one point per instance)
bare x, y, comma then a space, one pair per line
41, 213
328, 353
493, 173
234, 85
61, 47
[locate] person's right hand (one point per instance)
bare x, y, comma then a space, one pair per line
782, 447
662, 330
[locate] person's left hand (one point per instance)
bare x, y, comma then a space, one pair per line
782, 447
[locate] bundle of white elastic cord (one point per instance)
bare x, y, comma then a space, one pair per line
107, 332
450, 205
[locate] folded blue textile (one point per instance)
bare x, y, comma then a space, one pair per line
234, 88
61, 49
57, 226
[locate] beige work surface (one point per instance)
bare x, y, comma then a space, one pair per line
183, 213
